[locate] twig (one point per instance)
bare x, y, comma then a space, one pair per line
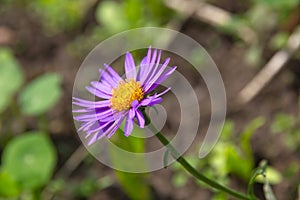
66, 170
268, 72
72, 163
212, 15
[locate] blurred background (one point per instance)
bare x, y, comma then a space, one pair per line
255, 44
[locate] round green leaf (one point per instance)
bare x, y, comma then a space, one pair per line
41, 94
30, 159
11, 77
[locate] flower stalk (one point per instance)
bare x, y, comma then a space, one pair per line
196, 174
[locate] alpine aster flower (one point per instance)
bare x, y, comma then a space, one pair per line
122, 99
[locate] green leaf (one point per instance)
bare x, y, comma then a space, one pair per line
59, 15
246, 135
253, 55
131, 182
218, 159
227, 131
237, 164
8, 187
41, 94
279, 40
279, 3
30, 159
179, 179
272, 175
11, 77
283, 123
292, 139
133, 12
111, 15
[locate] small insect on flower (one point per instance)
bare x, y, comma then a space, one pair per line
122, 99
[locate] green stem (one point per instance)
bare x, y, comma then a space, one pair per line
195, 173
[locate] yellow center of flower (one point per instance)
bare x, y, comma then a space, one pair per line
125, 94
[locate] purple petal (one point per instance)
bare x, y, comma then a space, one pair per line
150, 101
153, 70
130, 67
93, 140
140, 118
135, 104
97, 92
131, 113
90, 104
164, 92
159, 80
80, 111
99, 128
101, 87
94, 116
86, 125
113, 73
116, 125
158, 73
112, 132
128, 126
144, 68
154, 55
106, 79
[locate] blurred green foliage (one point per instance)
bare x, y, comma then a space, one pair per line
90, 185
55, 15
40, 94
113, 17
116, 17
287, 126
28, 162
130, 182
11, 77
29, 159
59, 15
232, 155
271, 31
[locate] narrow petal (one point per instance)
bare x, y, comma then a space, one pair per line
135, 104
130, 67
85, 125
101, 87
164, 92
116, 125
93, 140
112, 132
144, 68
140, 118
128, 126
94, 116
90, 104
113, 73
97, 92
158, 73
150, 101
131, 113
153, 70
159, 80
107, 79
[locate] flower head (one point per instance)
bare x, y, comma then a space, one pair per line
122, 99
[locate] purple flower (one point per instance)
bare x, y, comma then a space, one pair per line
122, 99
